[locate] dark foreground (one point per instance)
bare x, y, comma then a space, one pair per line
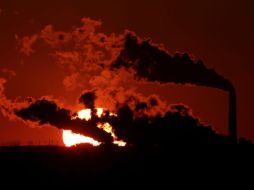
115, 167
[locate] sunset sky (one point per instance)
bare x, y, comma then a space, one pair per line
220, 33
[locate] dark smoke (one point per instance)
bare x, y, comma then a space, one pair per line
138, 121
134, 123
153, 64
46, 111
88, 98
176, 126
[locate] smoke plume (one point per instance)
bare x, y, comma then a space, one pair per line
154, 64
46, 111
137, 122
88, 98
112, 65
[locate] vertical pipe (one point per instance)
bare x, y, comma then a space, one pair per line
232, 125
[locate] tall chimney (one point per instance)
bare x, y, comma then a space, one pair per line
232, 125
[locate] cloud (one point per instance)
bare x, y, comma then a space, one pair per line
45, 111
79, 51
8, 106
73, 81
109, 67
138, 122
4, 102
2, 82
151, 63
88, 98
26, 44
136, 126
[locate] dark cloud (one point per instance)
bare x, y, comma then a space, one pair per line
155, 64
45, 111
88, 99
113, 64
134, 125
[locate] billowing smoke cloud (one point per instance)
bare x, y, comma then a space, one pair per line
113, 65
84, 51
88, 99
138, 122
142, 121
176, 126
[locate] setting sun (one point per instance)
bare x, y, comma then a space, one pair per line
72, 139
84, 114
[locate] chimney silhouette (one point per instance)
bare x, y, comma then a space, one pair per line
232, 122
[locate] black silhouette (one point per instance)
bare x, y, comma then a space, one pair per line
88, 98
134, 124
47, 112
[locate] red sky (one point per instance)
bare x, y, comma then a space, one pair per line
219, 33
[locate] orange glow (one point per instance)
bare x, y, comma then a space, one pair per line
107, 128
71, 139
99, 112
120, 143
85, 114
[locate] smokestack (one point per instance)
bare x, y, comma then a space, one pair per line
232, 125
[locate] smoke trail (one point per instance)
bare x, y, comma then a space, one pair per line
112, 63
45, 111
151, 63
135, 125
137, 121
88, 98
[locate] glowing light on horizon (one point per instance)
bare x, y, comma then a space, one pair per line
72, 139
85, 114
99, 112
